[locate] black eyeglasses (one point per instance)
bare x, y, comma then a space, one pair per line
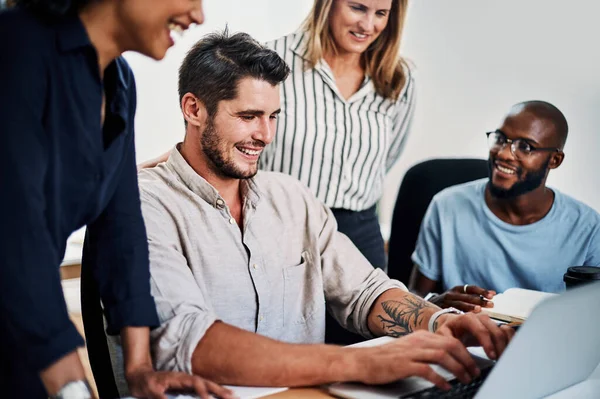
520, 148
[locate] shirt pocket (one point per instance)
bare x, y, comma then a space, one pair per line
300, 292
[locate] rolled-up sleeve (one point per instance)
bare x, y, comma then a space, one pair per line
351, 284
183, 310
117, 250
32, 306
428, 255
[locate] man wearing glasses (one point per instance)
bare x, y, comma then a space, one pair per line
509, 230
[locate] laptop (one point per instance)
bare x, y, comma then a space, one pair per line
555, 354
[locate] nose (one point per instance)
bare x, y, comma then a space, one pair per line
197, 14
367, 22
266, 130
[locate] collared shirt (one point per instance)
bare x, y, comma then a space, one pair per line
273, 275
341, 149
60, 170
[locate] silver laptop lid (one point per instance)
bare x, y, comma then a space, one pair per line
558, 346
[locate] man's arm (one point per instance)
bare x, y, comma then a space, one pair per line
144, 382
116, 249
471, 300
190, 338
427, 271
229, 355
398, 313
421, 285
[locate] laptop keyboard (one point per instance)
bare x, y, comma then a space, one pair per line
458, 390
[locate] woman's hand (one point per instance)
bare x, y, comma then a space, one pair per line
147, 383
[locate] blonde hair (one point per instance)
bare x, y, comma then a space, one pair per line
382, 61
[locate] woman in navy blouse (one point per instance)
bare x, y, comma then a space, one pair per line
67, 105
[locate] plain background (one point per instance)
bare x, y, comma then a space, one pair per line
474, 58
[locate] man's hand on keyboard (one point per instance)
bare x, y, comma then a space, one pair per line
476, 329
412, 355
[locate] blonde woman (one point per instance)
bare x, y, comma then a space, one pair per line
346, 110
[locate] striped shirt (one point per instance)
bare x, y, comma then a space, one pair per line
341, 149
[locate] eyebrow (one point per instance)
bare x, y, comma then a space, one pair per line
256, 112
354, 3
530, 141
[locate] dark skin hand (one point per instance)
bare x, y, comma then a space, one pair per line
472, 301
456, 297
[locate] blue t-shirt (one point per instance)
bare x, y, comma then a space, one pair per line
462, 242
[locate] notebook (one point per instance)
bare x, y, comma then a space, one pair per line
516, 304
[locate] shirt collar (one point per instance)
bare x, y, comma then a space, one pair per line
300, 44
197, 184
71, 34
118, 86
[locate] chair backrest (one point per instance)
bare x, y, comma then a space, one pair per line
420, 184
95, 337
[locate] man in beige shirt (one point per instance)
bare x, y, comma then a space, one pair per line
244, 265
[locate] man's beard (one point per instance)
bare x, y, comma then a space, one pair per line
532, 180
211, 144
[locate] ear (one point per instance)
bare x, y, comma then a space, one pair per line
556, 160
194, 111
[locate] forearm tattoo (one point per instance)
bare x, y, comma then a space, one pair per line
403, 317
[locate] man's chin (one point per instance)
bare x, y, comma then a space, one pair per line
236, 173
500, 192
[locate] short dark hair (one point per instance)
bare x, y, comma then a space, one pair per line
213, 68
549, 112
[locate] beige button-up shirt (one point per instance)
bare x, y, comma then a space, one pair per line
274, 275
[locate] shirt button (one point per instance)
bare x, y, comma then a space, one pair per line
231, 220
255, 266
262, 318
220, 202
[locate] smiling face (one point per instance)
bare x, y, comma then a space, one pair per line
235, 136
148, 24
511, 177
356, 24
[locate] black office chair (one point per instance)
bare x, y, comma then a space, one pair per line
420, 184
95, 337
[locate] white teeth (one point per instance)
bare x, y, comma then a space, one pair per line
359, 35
505, 170
249, 152
176, 28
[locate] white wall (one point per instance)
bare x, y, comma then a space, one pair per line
475, 58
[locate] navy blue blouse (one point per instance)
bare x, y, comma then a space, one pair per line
60, 169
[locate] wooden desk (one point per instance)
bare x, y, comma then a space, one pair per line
71, 264
301, 393
70, 271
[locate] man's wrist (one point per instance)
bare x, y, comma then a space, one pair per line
440, 317
430, 296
